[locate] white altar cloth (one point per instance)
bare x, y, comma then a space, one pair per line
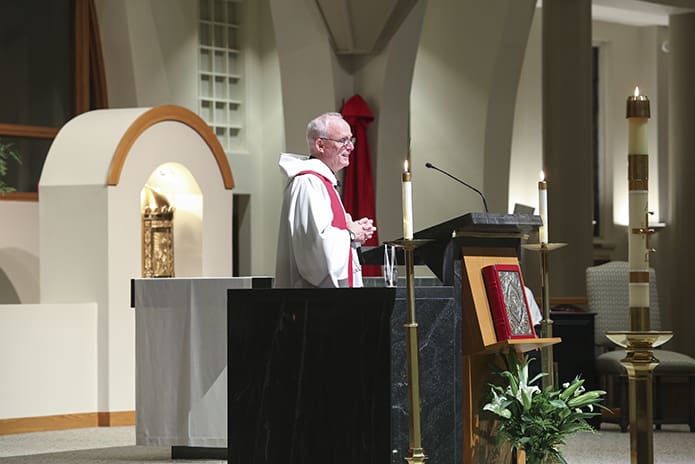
181, 360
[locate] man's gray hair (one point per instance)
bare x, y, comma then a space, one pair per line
318, 127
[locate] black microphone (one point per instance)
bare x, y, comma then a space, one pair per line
432, 166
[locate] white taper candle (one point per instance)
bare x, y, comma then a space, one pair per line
543, 209
407, 191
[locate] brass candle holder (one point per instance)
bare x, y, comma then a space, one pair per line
640, 363
417, 453
547, 362
639, 342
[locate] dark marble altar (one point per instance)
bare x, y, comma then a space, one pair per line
320, 375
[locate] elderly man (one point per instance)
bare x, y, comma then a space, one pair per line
318, 240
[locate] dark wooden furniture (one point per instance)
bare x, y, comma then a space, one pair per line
319, 375
575, 355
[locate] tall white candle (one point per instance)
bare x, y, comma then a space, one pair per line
638, 178
637, 142
407, 195
543, 208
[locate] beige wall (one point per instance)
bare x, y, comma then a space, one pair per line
628, 57
464, 94
150, 52
19, 252
48, 356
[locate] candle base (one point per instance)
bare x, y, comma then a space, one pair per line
640, 363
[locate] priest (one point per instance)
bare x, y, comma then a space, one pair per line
318, 240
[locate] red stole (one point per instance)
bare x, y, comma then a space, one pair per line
339, 220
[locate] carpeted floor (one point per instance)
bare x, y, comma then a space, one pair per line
109, 445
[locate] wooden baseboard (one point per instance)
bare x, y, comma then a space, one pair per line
66, 421
116, 418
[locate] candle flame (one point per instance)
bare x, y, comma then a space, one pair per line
542, 176
636, 91
405, 166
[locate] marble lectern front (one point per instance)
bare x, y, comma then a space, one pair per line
320, 375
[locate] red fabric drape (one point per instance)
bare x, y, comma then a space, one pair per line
358, 183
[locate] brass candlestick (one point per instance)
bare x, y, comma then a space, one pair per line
640, 363
547, 362
639, 342
417, 454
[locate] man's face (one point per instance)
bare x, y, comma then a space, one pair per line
334, 148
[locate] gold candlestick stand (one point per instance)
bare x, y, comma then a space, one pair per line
639, 342
640, 363
417, 454
547, 363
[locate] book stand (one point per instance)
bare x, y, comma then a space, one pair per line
475, 240
478, 240
480, 347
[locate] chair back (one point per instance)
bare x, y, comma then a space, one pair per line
607, 288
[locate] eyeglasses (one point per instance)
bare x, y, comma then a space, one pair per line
343, 141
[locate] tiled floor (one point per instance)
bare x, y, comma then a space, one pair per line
673, 445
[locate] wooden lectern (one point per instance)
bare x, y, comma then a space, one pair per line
461, 248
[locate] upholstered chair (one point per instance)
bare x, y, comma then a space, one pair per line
607, 287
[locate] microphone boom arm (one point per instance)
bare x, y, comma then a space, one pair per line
432, 166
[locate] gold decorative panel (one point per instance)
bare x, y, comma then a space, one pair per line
157, 235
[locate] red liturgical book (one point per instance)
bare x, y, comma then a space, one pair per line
507, 297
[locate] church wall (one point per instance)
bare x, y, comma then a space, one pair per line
74, 218
48, 357
447, 117
306, 67
19, 252
628, 57
527, 147
150, 52
256, 172
459, 71
385, 82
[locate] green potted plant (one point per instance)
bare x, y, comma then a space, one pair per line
7, 152
536, 420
